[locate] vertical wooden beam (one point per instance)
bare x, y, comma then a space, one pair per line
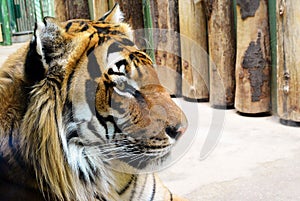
60, 10
1, 38
288, 61
5, 23
133, 11
100, 7
78, 9
71, 9
253, 57
111, 3
273, 45
221, 39
148, 26
165, 19
194, 57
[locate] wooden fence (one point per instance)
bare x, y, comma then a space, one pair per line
235, 54
18, 17
253, 46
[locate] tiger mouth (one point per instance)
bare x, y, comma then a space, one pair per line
139, 154
149, 158
138, 148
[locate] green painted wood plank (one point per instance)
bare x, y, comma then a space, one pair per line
273, 39
4, 18
148, 26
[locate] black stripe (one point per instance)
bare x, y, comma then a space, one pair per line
114, 47
108, 13
89, 51
103, 30
10, 139
137, 67
6, 75
115, 32
121, 62
68, 110
102, 39
84, 28
93, 130
100, 198
15, 152
112, 72
133, 188
117, 129
107, 86
70, 78
132, 56
124, 189
68, 26
153, 189
126, 41
135, 58
90, 94
103, 123
143, 187
117, 106
81, 175
72, 135
34, 67
171, 196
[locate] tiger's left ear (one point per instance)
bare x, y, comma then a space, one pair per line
42, 48
114, 16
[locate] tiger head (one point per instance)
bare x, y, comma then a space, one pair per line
97, 97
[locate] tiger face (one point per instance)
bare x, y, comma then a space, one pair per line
97, 96
83, 111
144, 121
113, 102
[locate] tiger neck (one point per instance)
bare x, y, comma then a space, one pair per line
144, 186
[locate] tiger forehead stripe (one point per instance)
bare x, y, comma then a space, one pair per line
68, 26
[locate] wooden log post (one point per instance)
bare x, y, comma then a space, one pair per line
221, 37
60, 10
288, 61
166, 39
71, 9
98, 8
194, 57
133, 13
253, 58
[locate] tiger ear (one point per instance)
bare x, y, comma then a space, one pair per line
34, 66
36, 59
114, 16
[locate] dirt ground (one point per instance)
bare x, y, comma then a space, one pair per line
227, 157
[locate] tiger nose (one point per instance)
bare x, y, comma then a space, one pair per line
175, 132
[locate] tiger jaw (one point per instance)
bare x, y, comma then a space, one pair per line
142, 153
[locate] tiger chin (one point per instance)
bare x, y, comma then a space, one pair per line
83, 116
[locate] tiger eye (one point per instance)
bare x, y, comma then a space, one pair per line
122, 86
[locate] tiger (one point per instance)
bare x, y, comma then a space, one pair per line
84, 117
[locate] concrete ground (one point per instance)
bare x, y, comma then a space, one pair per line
5, 51
227, 157
256, 158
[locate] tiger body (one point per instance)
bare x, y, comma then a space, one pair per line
83, 115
